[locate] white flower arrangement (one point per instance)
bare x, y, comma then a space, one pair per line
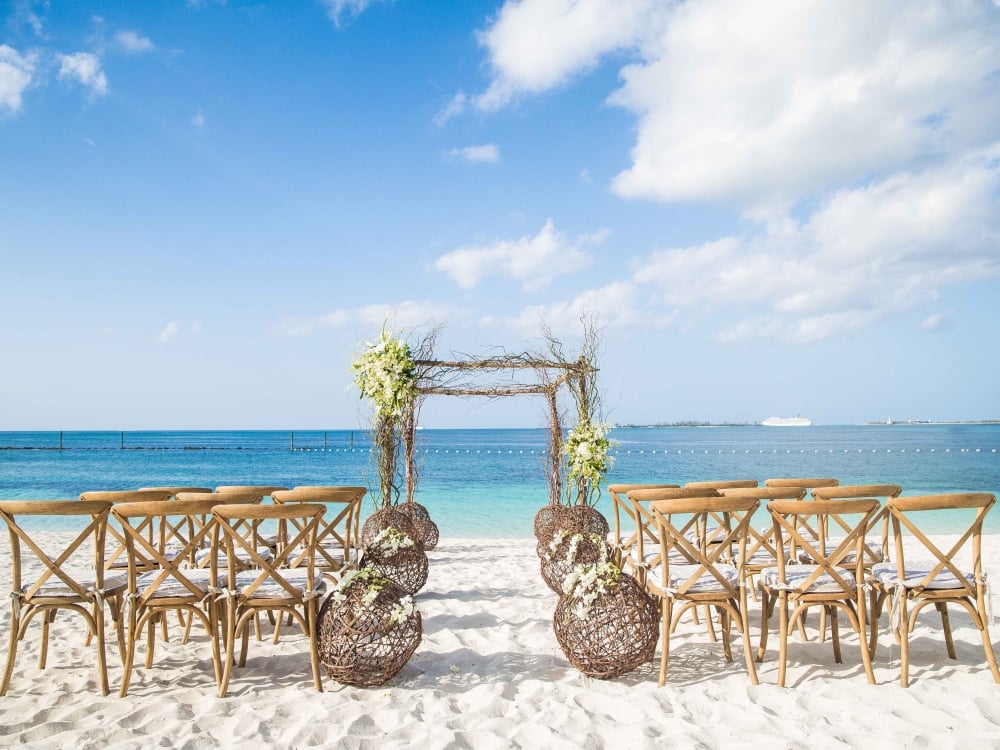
374, 583
586, 451
574, 543
386, 373
587, 582
389, 542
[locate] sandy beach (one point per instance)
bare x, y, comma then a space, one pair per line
489, 673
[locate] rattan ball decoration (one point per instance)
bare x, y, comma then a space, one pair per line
382, 519
427, 532
358, 644
578, 519
618, 634
406, 566
544, 518
414, 511
562, 554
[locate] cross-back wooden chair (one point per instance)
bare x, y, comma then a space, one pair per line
874, 552
162, 575
710, 575
116, 557
929, 574
71, 577
269, 585
337, 537
645, 551
622, 537
827, 581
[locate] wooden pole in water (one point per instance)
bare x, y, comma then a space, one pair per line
293, 440
60, 440
324, 439
352, 439
123, 440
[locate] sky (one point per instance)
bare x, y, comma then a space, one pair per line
771, 207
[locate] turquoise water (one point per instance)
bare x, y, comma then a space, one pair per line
490, 483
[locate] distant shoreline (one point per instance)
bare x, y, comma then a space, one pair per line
893, 423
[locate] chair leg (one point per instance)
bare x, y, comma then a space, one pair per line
834, 632
904, 643
15, 626
766, 610
230, 637
727, 648
311, 616
43, 650
876, 612
129, 656
991, 658
782, 639
666, 615
949, 643
102, 666
866, 652
151, 640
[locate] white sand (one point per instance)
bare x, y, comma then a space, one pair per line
489, 673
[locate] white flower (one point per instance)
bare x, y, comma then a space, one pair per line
386, 373
586, 583
389, 542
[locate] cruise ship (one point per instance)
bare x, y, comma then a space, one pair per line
795, 421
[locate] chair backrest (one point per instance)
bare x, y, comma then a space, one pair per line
116, 557
762, 545
265, 490
175, 490
680, 523
184, 526
645, 523
218, 498
882, 492
54, 556
266, 570
904, 513
794, 522
623, 528
721, 484
337, 534
807, 482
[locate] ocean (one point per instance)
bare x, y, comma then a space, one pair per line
490, 483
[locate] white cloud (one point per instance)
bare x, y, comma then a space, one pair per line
535, 45
532, 260
936, 321
615, 305
133, 41
865, 253
488, 153
341, 10
455, 106
16, 73
198, 120
85, 68
762, 108
408, 314
170, 330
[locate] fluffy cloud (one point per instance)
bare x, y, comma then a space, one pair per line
170, 330
535, 45
865, 253
85, 68
341, 10
531, 260
614, 305
488, 153
133, 41
16, 72
408, 314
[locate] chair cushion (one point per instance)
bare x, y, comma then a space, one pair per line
55, 588
874, 554
887, 574
171, 587
271, 589
679, 574
797, 575
204, 555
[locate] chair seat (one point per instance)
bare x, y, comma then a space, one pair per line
797, 575
651, 554
171, 587
56, 589
887, 574
706, 583
873, 554
298, 578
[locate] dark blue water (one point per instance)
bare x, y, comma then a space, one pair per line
490, 483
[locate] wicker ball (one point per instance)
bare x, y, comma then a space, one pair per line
357, 645
414, 511
578, 519
558, 563
380, 520
407, 567
618, 635
544, 518
427, 532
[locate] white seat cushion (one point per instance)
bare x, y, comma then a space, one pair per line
797, 575
205, 555
679, 574
873, 555
54, 586
271, 589
888, 575
172, 587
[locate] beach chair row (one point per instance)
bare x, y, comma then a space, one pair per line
696, 547
219, 559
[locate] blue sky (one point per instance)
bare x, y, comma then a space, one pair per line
774, 208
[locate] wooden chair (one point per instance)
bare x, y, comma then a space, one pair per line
722, 484
337, 538
827, 580
266, 490
70, 577
269, 585
932, 575
874, 552
622, 537
116, 559
710, 575
162, 575
174, 490
807, 482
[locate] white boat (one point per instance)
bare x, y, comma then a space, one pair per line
795, 421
